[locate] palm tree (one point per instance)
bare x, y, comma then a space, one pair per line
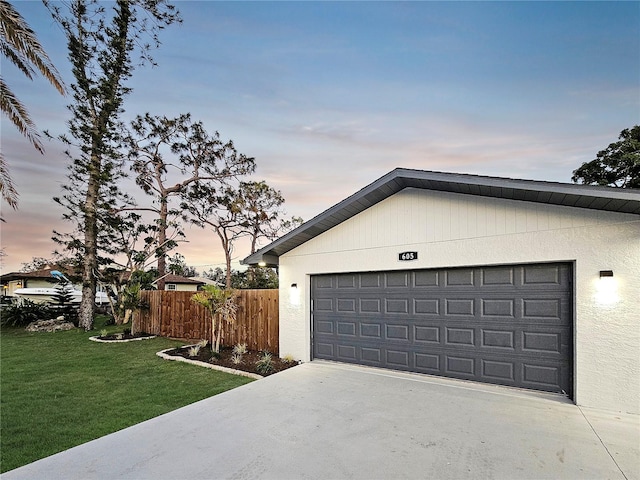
18, 43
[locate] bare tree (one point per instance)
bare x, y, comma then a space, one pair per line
171, 154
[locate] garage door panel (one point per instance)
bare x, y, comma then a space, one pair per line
346, 281
370, 280
496, 370
426, 279
396, 306
426, 333
426, 306
507, 325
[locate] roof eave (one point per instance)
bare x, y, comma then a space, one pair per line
582, 196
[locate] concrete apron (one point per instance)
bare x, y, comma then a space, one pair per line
331, 421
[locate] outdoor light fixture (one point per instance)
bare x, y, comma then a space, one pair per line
294, 294
262, 263
606, 289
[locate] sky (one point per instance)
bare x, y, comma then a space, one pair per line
330, 96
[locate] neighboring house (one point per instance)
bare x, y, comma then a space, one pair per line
43, 279
181, 284
37, 279
41, 283
521, 283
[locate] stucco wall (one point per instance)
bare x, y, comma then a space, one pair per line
184, 287
450, 230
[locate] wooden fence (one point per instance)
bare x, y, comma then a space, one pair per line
173, 314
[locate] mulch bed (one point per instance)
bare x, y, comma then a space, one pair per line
247, 364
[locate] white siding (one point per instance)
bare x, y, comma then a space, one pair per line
450, 230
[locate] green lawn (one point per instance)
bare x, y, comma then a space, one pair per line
58, 390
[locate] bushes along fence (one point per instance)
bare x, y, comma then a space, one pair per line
173, 314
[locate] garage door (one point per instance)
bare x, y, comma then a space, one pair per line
509, 325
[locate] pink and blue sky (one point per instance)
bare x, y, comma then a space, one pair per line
329, 96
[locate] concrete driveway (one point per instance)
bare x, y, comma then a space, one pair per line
330, 421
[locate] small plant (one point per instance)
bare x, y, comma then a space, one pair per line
103, 332
265, 364
203, 343
119, 336
240, 348
194, 351
127, 331
23, 313
288, 359
222, 307
236, 358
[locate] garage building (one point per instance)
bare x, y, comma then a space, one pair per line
514, 282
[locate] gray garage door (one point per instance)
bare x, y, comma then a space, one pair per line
509, 325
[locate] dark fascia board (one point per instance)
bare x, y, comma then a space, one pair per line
552, 193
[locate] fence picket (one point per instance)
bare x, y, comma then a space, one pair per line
173, 314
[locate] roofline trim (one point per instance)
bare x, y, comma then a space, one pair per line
553, 193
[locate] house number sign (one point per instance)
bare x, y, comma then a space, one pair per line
407, 256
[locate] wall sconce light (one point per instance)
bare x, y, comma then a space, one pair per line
262, 263
607, 289
294, 294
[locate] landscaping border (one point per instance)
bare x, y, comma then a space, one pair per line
233, 371
97, 339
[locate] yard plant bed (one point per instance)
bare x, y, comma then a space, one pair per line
122, 337
248, 361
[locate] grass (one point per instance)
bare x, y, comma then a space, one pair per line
58, 390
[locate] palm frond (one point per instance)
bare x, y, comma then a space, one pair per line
17, 113
17, 35
7, 189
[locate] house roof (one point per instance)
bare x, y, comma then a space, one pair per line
170, 278
570, 195
44, 273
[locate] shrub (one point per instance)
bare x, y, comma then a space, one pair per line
236, 358
288, 359
221, 304
22, 314
240, 348
194, 351
265, 364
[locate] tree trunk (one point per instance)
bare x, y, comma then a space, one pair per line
162, 240
218, 334
90, 259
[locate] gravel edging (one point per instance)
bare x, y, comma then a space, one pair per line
233, 371
97, 339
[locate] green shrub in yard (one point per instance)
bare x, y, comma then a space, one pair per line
22, 314
265, 364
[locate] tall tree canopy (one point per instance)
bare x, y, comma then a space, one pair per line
169, 155
102, 38
19, 45
616, 166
